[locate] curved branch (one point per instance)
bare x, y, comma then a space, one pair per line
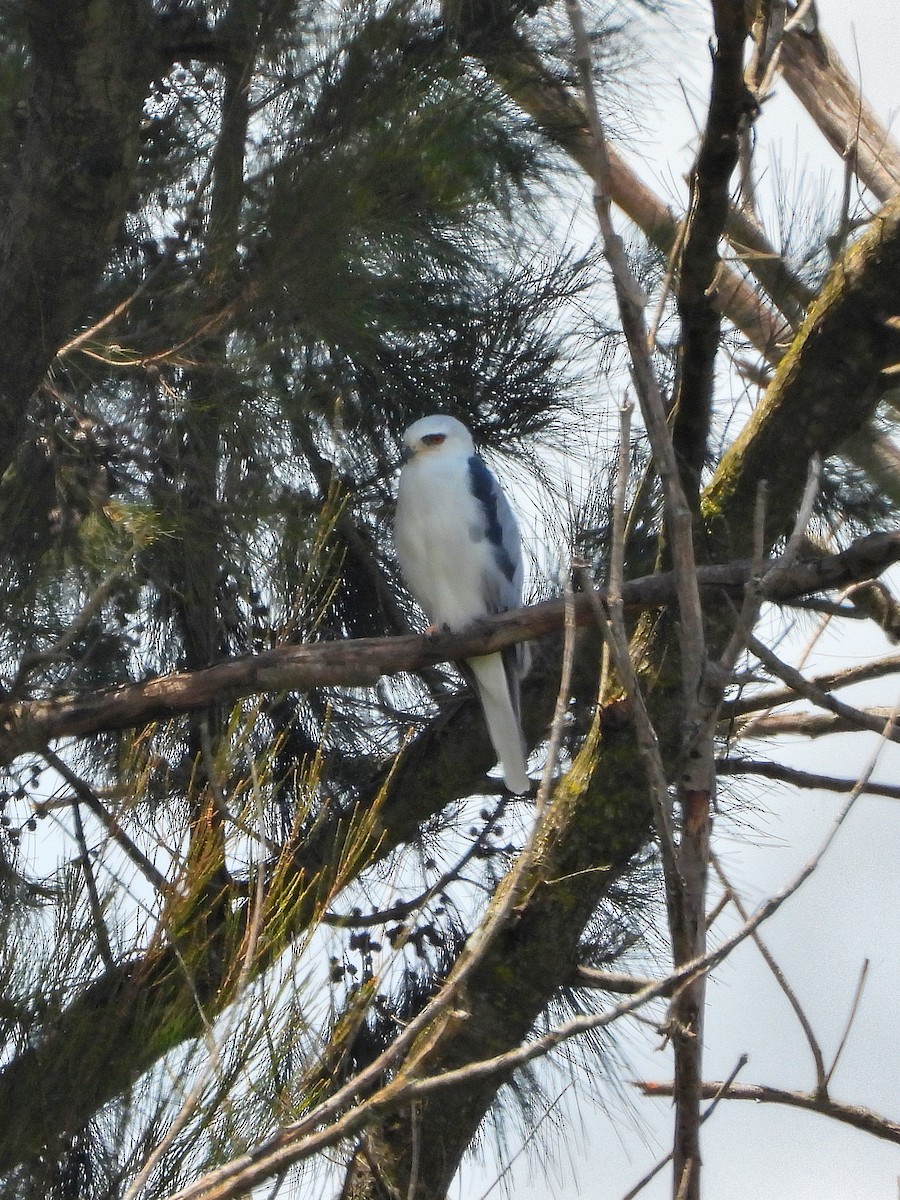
847, 1114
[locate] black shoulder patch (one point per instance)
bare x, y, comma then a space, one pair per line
486, 490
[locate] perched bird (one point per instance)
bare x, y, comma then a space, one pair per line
458, 547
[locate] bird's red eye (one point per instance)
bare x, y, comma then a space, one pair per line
433, 439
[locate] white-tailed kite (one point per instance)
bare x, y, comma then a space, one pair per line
458, 547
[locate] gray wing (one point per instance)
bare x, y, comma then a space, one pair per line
502, 586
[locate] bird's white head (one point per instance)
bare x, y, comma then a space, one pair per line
435, 434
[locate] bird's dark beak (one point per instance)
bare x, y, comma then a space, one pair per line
406, 454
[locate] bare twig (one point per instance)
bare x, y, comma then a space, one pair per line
803, 687
774, 697
416, 1123
730, 110
804, 512
563, 696
402, 908
103, 945
657, 1167
753, 592
769, 959
631, 312
735, 765
617, 547
651, 754
811, 725
857, 996
86, 795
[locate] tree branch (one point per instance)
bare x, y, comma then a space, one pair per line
825, 388
812, 725
798, 778
803, 687
773, 697
729, 110
517, 69
29, 725
818, 78
848, 1114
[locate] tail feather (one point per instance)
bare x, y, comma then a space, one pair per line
498, 691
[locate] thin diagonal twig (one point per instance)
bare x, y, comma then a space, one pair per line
803, 687
769, 959
857, 996
103, 943
86, 795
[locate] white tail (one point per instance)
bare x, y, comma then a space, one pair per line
492, 686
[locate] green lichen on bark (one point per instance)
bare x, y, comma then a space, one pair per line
824, 390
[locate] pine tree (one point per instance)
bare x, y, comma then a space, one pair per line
245, 244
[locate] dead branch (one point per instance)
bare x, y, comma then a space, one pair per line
854, 1009
780, 979
812, 725
799, 778
614, 981
818, 78
848, 1114
815, 695
773, 697
705, 1115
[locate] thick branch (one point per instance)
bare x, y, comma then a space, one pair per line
30, 725
820, 81
729, 109
825, 389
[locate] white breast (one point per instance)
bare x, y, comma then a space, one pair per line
440, 540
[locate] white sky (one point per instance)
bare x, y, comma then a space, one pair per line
847, 912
